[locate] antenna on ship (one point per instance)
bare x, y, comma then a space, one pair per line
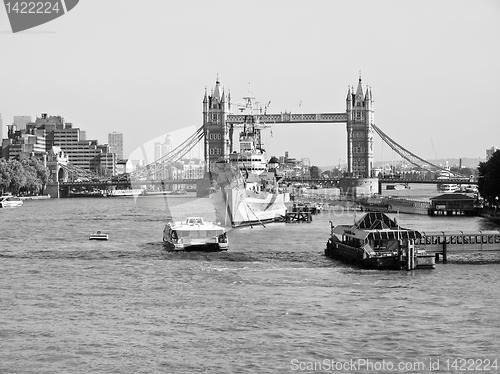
266, 107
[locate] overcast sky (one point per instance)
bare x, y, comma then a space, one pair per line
141, 68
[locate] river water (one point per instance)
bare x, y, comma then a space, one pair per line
273, 303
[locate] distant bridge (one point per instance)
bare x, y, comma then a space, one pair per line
383, 180
428, 181
106, 184
109, 183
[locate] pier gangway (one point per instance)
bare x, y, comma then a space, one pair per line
444, 242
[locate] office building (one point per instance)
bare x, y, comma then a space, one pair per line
137, 164
489, 152
115, 141
21, 122
39, 137
22, 144
162, 149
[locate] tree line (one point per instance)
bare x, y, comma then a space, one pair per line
488, 182
25, 177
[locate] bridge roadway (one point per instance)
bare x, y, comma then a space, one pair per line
385, 181
330, 181
287, 117
104, 184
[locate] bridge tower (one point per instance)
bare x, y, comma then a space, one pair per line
215, 129
359, 110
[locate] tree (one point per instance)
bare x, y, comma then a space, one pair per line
42, 172
26, 176
18, 177
315, 172
489, 178
5, 175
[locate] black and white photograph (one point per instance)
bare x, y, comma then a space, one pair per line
249, 186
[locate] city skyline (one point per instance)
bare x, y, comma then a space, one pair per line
430, 66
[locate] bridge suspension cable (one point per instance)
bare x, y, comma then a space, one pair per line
170, 158
404, 153
76, 172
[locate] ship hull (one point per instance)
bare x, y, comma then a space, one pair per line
408, 206
396, 205
353, 255
240, 207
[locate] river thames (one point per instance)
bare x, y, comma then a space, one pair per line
273, 303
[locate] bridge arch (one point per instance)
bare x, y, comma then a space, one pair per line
62, 174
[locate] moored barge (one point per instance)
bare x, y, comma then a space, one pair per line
377, 242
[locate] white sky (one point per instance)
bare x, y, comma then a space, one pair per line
141, 68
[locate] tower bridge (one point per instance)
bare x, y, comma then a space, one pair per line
219, 123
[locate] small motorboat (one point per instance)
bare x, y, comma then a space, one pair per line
98, 236
9, 201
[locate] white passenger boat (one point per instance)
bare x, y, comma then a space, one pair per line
448, 187
194, 234
9, 201
445, 186
397, 186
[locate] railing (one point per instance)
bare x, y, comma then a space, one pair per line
382, 180
459, 241
290, 117
121, 183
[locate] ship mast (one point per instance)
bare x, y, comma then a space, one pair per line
251, 126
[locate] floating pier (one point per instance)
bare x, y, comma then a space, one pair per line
454, 204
